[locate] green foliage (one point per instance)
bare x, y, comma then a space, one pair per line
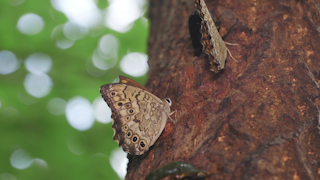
26, 123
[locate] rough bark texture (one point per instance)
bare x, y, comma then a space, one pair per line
257, 119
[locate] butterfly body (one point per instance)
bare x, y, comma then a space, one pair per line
139, 117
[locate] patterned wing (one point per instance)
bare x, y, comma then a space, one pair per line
138, 116
213, 45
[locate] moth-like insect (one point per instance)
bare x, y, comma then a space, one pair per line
211, 42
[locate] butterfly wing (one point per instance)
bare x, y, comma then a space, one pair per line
139, 117
216, 47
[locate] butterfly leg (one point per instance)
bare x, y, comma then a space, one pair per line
169, 114
172, 112
233, 44
231, 55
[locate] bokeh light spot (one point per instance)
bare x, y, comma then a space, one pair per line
106, 55
64, 44
93, 70
82, 12
8, 62
79, 113
30, 24
40, 163
58, 35
38, 85
135, 64
108, 46
26, 98
10, 113
7, 176
103, 63
119, 161
122, 13
73, 31
75, 146
101, 110
20, 159
57, 106
38, 63
15, 2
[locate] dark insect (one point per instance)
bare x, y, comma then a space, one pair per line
177, 170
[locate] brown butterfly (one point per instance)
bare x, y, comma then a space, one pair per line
211, 41
139, 117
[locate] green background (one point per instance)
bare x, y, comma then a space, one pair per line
30, 126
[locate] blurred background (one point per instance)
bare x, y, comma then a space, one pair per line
54, 56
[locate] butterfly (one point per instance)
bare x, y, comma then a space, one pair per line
139, 116
211, 41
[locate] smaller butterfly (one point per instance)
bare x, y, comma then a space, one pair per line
211, 42
139, 116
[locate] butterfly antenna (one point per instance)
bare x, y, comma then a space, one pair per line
167, 88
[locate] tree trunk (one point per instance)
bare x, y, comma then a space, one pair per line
256, 119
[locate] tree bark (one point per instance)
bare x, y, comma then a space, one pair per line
256, 119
